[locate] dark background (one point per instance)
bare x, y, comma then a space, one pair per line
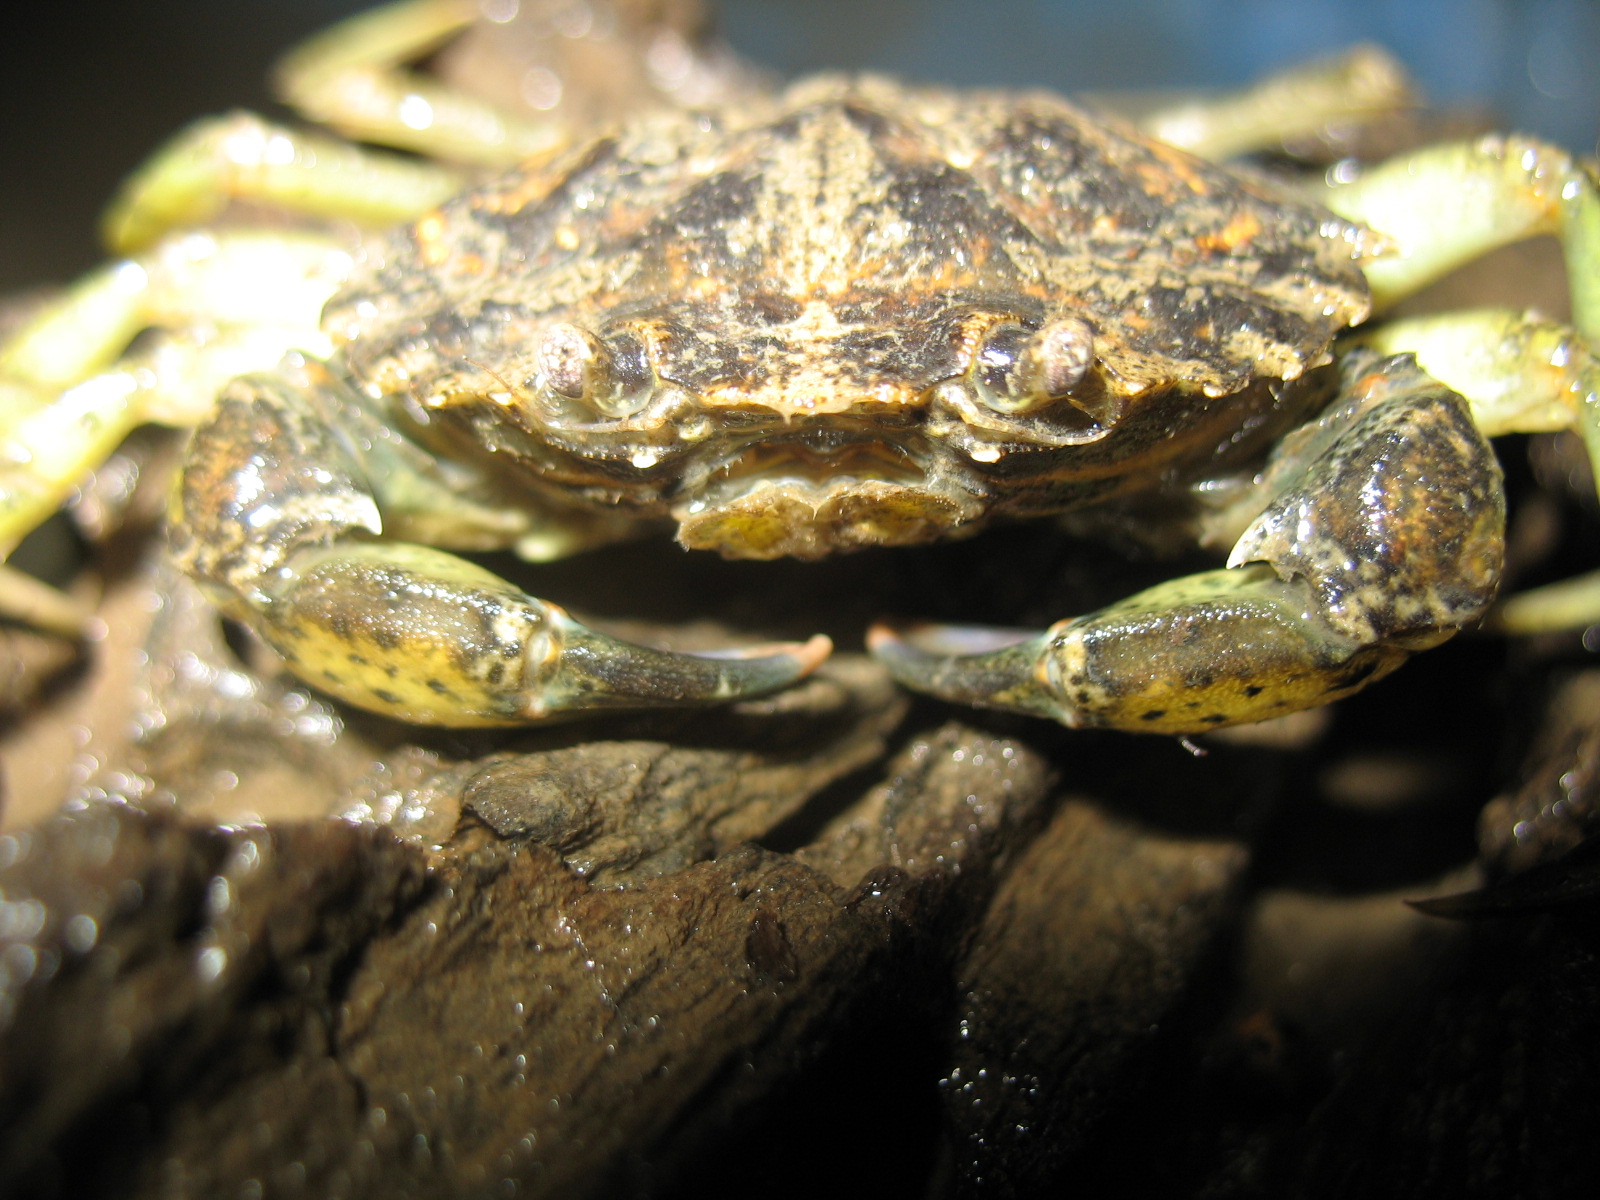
87, 90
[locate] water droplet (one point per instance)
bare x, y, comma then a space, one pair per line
541, 88
210, 963
81, 933
415, 112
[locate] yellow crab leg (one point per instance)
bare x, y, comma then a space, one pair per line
63, 412
244, 277
1518, 372
43, 456
1363, 82
1445, 205
192, 179
74, 335
1380, 535
351, 77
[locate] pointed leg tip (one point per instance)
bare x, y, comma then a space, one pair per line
753, 671
896, 646
881, 638
806, 656
813, 652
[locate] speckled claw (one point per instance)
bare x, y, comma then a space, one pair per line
971, 664
420, 635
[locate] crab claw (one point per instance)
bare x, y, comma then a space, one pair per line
973, 664
419, 635
1193, 654
590, 670
276, 515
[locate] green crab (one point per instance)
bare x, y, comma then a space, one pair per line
849, 314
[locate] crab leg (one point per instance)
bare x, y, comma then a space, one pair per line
1520, 373
190, 181
352, 78
65, 400
1445, 205
1380, 536
280, 512
561, 67
1361, 83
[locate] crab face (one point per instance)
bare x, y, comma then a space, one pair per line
852, 319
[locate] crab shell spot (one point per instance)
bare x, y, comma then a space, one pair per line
1181, 165
1235, 235
792, 520
1170, 184
433, 247
808, 363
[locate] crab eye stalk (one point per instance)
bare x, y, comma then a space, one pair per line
574, 365
1019, 370
573, 362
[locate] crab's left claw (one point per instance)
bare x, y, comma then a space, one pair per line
1379, 535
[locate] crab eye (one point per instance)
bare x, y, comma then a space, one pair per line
1020, 370
576, 365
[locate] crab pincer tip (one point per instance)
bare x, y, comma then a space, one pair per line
595, 670
970, 664
748, 671
802, 657
809, 654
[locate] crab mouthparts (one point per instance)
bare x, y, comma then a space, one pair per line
809, 497
817, 459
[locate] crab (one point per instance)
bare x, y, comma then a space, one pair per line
846, 315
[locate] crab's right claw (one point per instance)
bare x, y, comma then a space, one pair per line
424, 636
